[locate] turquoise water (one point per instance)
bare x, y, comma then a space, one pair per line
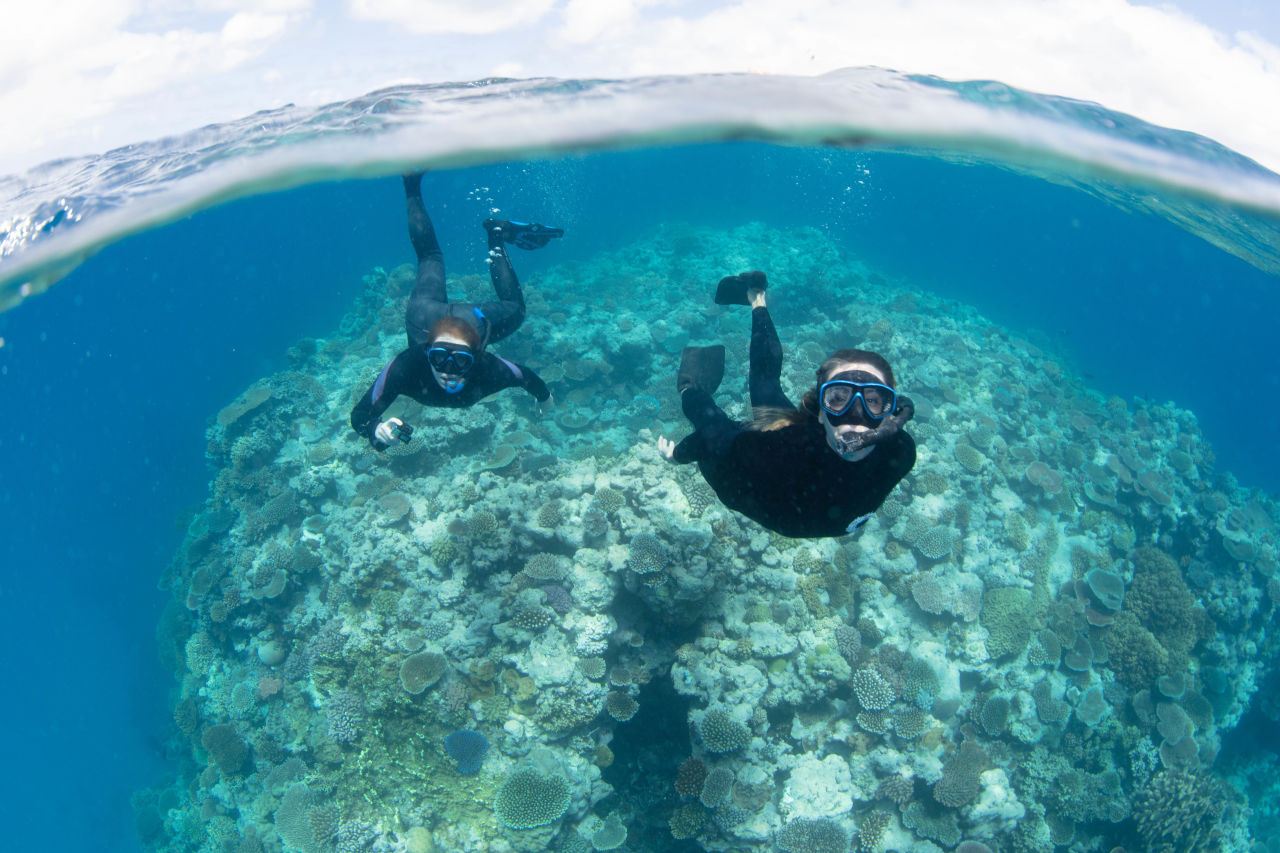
1065, 289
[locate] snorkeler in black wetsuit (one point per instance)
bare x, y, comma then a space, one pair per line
446, 363
817, 470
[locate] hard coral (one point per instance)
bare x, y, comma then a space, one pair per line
961, 776
1180, 812
874, 692
813, 836
468, 748
528, 798
722, 733
420, 671
648, 554
1007, 616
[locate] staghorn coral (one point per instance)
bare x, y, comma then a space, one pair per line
528, 799
897, 789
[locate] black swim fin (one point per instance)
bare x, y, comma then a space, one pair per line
524, 235
732, 289
701, 368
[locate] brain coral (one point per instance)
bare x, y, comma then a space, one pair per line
722, 733
528, 798
420, 671
873, 691
813, 836
1007, 616
648, 554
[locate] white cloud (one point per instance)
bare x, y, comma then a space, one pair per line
452, 16
1156, 63
82, 75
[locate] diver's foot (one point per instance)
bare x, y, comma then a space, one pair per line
523, 235
701, 368
413, 182
739, 289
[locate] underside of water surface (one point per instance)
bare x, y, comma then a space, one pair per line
1043, 638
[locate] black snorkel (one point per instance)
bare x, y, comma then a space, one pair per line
848, 443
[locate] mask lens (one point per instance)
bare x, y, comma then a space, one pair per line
836, 398
876, 400
452, 361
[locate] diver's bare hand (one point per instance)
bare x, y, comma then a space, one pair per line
385, 431
667, 448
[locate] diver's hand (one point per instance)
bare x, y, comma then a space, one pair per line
384, 433
542, 407
667, 449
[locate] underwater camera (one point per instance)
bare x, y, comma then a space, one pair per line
404, 432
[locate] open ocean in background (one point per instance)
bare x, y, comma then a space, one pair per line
109, 379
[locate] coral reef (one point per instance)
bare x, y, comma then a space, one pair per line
517, 634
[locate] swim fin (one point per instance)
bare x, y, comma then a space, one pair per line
732, 289
701, 368
524, 235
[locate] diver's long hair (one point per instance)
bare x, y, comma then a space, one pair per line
766, 418
455, 328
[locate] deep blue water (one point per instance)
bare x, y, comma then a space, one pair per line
108, 380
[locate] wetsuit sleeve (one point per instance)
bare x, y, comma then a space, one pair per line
690, 449
524, 377
381, 394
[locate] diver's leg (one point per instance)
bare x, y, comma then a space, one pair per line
716, 429
505, 315
429, 302
765, 372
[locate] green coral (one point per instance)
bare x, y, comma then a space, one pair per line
1008, 616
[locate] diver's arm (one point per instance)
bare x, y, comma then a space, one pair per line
381, 394
512, 374
690, 449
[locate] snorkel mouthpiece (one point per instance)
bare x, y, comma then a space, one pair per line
849, 442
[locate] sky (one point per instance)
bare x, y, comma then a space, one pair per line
84, 76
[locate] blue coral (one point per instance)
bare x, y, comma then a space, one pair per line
468, 748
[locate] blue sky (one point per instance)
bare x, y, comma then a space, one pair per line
88, 75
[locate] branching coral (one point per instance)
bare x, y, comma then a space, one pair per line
528, 798
722, 733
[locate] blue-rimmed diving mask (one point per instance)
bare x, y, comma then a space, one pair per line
838, 395
451, 360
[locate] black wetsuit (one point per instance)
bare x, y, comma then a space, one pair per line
788, 480
409, 373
